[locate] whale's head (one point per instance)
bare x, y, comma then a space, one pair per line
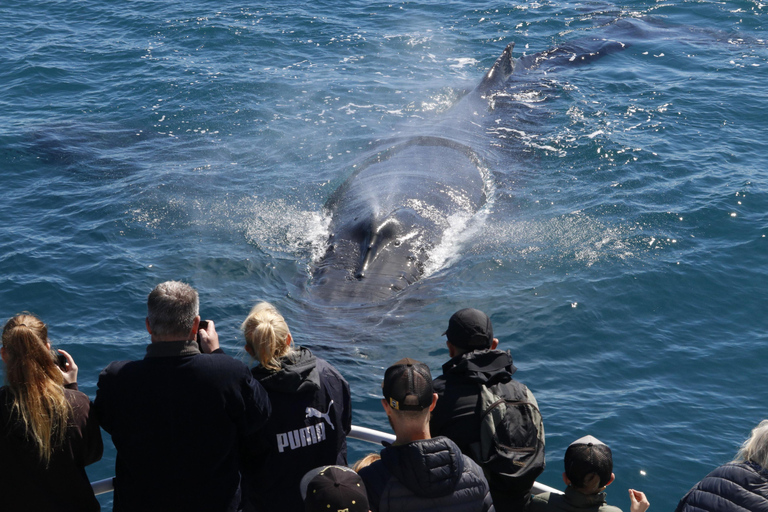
390, 215
370, 259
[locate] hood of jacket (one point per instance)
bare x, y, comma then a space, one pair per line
487, 367
297, 374
429, 468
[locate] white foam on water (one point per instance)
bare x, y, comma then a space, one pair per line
280, 226
461, 228
462, 62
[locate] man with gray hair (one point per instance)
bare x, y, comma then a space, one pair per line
180, 417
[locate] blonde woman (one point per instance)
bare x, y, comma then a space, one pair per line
47, 431
311, 414
737, 486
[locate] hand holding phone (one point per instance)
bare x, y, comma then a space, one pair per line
61, 361
207, 338
67, 365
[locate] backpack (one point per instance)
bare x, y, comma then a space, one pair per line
511, 446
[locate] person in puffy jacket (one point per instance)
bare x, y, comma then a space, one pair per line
737, 486
311, 414
418, 472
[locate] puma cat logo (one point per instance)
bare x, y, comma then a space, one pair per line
314, 413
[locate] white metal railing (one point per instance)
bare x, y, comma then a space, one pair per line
360, 433
103, 486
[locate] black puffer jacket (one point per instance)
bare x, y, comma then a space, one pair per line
733, 487
426, 475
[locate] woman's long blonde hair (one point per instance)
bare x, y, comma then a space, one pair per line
35, 383
267, 334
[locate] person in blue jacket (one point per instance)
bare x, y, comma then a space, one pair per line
311, 414
737, 486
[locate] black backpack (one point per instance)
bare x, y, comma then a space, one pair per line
511, 446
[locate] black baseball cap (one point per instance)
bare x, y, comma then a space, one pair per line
470, 329
407, 385
333, 489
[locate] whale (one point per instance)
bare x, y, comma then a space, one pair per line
396, 207
399, 204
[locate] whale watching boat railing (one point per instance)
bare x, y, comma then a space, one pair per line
360, 433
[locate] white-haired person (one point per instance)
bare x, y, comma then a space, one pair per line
48, 433
311, 414
737, 486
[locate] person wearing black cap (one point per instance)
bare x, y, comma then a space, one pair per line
418, 472
333, 489
477, 368
588, 471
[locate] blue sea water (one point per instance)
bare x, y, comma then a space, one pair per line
622, 254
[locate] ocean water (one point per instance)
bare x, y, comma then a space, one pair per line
622, 254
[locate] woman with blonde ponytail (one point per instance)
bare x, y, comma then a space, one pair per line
47, 432
311, 414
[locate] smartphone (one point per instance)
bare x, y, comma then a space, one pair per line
59, 359
203, 325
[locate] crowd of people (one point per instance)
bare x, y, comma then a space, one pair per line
197, 430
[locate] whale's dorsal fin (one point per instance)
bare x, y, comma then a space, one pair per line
500, 71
